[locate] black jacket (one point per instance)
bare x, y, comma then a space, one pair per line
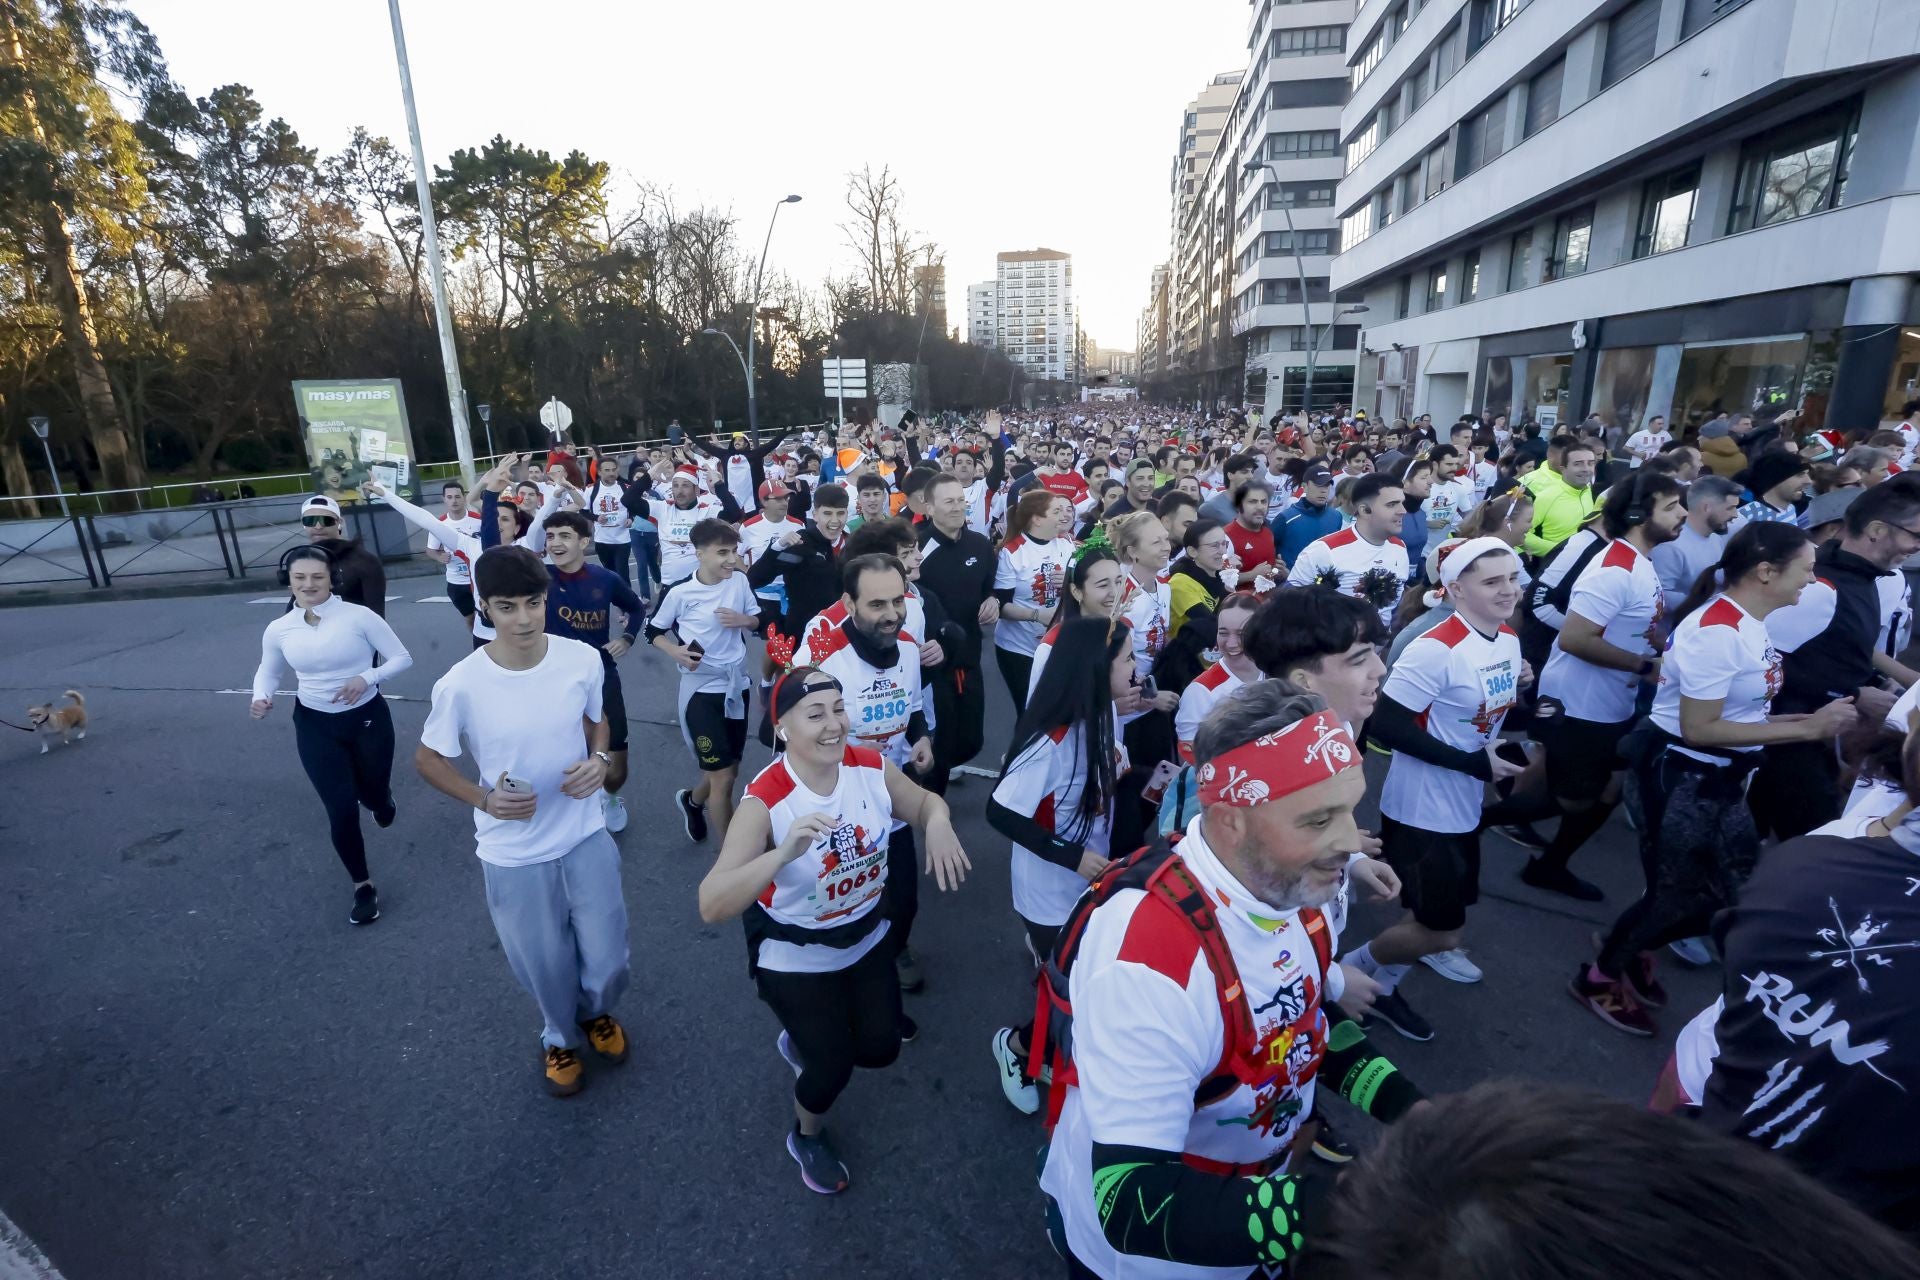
1837, 661
811, 571
958, 572
358, 575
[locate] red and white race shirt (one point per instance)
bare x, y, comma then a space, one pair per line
1620, 590
678, 559
757, 533
1206, 692
879, 702
1719, 651
1461, 685
1149, 611
1355, 567
1070, 485
1037, 574
1047, 781
607, 509
841, 876
978, 517
459, 567
1147, 1031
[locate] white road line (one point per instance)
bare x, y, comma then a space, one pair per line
269, 600
976, 771
430, 600
21, 1258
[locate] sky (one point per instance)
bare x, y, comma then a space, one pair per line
1011, 124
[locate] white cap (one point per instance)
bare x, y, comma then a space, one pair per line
320, 504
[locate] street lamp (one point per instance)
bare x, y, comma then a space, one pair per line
486, 420
1251, 168
753, 320
40, 428
744, 366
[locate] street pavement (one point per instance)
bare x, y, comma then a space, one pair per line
209, 1073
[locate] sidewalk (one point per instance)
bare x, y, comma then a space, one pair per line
211, 583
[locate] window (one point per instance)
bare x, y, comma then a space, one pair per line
1517, 254
1363, 143
1630, 41
1356, 226
1368, 60
1543, 99
1794, 171
1397, 23
1470, 276
1407, 186
1280, 243
1436, 170
1403, 298
1436, 288
1485, 18
1422, 85
1480, 139
1704, 13
1307, 93
1450, 56
1287, 292
1666, 211
1572, 237
1303, 146
1300, 42
1193, 118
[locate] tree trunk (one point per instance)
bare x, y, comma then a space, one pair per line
14, 468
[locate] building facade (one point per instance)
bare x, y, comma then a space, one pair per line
983, 316
1151, 339
1635, 207
930, 295
1037, 324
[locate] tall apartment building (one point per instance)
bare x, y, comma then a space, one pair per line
1189, 352
1151, 340
1635, 207
930, 294
1038, 327
983, 316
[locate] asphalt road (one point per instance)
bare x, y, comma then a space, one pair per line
208, 1072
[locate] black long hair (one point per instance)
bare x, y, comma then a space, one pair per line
1759, 542
1077, 689
1069, 607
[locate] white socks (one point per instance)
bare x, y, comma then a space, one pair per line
1387, 975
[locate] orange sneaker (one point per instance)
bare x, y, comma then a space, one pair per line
565, 1076
608, 1037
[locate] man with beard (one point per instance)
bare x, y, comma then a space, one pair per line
957, 565
1712, 502
686, 507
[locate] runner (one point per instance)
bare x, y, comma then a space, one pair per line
701, 623
1310, 517
341, 723
957, 566
758, 533
1367, 561
1218, 681
1712, 503
1440, 712
358, 575
1199, 1016
1198, 581
1095, 585
806, 864
1323, 642
1146, 603
1032, 565
684, 508
458, 519
528, 707
1250, 534
605, 502
1711, 715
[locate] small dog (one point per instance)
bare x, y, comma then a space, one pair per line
67, 723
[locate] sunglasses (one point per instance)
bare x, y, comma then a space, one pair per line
318, 522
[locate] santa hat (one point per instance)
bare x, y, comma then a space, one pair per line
688, 470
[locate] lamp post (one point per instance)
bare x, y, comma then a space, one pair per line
1251, 168
745, 368
486, 420
40, 428
753, 320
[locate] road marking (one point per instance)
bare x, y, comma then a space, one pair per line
269, 600
21, 1258
975, 771
430, 600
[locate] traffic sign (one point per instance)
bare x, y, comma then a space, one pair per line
555, 416
844, 377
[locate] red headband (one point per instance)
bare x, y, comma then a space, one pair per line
1280, 763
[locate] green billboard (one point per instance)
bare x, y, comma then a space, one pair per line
355, 429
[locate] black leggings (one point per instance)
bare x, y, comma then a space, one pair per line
837, 1021
903, 885
348, 756
1017, 670
1041, 938
614, 556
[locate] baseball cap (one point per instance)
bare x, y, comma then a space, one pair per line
320, 505
1317, 473
772, 489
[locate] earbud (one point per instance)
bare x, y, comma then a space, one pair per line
780, 734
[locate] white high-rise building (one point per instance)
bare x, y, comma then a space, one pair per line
1033, 295
983, 316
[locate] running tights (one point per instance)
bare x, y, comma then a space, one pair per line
348, 756
1017, 670
615, 556
837, 1021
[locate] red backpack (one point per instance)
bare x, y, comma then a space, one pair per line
1158, 870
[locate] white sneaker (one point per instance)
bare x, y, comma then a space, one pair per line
1692, 950
616, 810
1453, 966
1020, 1091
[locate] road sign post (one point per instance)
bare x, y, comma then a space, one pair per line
556, 417
844, 378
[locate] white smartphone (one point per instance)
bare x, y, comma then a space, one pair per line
514, 786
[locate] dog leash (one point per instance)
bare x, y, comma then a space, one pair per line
24, 728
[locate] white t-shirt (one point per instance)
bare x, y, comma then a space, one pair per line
757, 533
1485, 476
1620, 590
612, 522
977, 504
325, 656
459, 566
879, 702
1461, 684
1037, 574
1448, 502
1046, 782
1349, 563
841, 875
527, 724
1147, 1032
1149, 611
1718, 651
678, 559
1896, 613
687, 608
1645, 446
1206, 692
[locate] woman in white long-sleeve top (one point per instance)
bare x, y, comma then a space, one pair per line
341, 653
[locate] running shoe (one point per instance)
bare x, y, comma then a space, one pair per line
1640, 976
1330, 1146
908, 970
1014, 1082
565, 1075
1524, 835
695, 815
366, 906
787, 1052
909, 1030
820, 1168
608, 1037
1692, 951
616, 810
386, 813
1612, 1002
1559, 880
1453, 966
1392, 1008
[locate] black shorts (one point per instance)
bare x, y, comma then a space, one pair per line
613, 704
1439, 872
461, 593
718, 741
1582, 755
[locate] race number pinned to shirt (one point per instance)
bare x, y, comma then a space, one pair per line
1499, 687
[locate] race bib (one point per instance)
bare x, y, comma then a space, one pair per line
1499, 687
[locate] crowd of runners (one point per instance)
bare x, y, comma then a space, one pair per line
1205, 625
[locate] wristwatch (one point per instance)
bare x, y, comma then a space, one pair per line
605, 759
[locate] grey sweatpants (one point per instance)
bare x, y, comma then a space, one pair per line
563, 926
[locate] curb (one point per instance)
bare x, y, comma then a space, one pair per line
259, 583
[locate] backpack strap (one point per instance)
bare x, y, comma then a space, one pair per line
1174, 884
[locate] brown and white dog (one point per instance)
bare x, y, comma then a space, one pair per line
66, 723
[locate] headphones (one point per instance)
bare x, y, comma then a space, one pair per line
1637, 513
284, 573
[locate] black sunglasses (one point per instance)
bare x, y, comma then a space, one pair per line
317, 522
